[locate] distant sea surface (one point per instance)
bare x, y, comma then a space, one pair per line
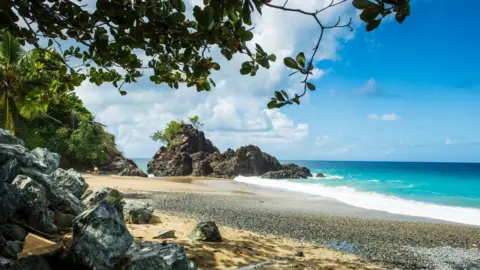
446, 191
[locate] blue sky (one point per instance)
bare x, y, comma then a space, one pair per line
407, 92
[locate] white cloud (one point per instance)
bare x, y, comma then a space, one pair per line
389, 151
450, 141
385, 117
342, 150
234, 112
322, 140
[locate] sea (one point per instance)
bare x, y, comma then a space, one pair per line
445, 191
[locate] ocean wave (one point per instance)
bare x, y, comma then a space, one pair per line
374, 180
395, 181
333, 176
374, 201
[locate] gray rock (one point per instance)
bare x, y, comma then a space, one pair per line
289, 171
150, 255
164, 234
21, 154
69, 180
206, 231
7, 138
109, 195
43, 220
9, 201
100, 237
33, 193
60, 199
9, 169
13, 232
31, 263
320, 175
11, 249
63, 221
5, 263
49, 159
137, 212
118, 164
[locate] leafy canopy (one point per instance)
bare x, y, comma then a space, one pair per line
173, 130
175, 40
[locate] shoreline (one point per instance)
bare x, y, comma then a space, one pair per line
378, 237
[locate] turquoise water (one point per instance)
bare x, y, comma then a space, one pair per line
142, 163
447, 191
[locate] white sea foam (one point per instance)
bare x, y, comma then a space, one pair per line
374, 180
374, 201
332, 176
151, 175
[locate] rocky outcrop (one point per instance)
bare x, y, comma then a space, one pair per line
45, 200
190, 153
118, 164
136, 212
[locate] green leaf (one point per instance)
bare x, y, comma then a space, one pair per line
311, 86
50, 42
285, 94
245, 70
272, 104
368, 15
178, 5
363, 4
123, 92
246, 13
289, 62
272, 57
301, 59
279, 96
206, 2
373, 24
400, 17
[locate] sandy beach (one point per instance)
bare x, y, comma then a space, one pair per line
260, 225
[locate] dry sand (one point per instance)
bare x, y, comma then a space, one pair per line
239, 248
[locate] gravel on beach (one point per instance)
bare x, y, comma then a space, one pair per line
396, 244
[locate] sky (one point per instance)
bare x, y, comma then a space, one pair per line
408, 92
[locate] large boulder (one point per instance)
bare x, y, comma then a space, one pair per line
122, 166
137, 212
153, 255
10, 201
9, 169
69, 180
206, 232
7, 138
109, 195
191, 140
166, 162
49, 159
43, 219
100, 237
33, 193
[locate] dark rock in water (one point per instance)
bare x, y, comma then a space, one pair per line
136, 212
33, 193
207, 232
13, 232
9, 169
289, 171
43, 220
30, 263
9, 201
100, 237
7, 138
122, 166
11, 249
191, 154
151, 255
69, 180
320, 175
49, 159
109, 195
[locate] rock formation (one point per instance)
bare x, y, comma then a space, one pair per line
190, 153
118, 164
37, 196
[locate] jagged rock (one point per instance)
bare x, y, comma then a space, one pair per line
109, 195
122, 166
151, 255
33, 193
169, 163
43, 220
8, 169
136, 212
30, 263
50, 159
11, 249
100, 237
63, 221
191, 140
9, 201
60, 199
206, 231
21, 154
289, 171
69, 180
7, 138
320, 175
13, 232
